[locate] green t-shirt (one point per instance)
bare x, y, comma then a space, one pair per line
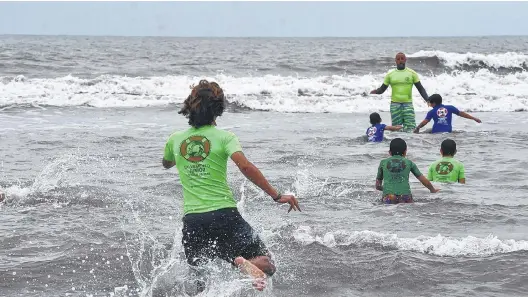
394, 172
201, 159
447, 169
401, 82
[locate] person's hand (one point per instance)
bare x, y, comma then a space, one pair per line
478, 120
290, 199
2, 197
416, 130
373, 91
434, 190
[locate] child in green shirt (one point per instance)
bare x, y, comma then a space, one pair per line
447, 169
394, 171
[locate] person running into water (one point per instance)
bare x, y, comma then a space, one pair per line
401, 81
376, 131
447, 169
442, 116
212, 226
393, 175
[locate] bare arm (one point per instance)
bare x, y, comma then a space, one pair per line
379, 185
423, 123
393, 128
427, 184
422, 91
167, 164
462, 180
380, 90
468, 116
252, 173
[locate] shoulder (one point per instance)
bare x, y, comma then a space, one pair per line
458, 162
225, 133
391, 72
175, 135
411, 70
409, 161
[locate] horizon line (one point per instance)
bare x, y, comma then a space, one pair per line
256, 36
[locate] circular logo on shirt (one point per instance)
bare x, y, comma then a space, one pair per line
372, 131
396, 165
444, 168
407, 79
195, 148
441, 112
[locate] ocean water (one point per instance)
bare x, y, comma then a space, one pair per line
90, 211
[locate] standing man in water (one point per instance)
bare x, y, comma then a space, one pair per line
401, 81
212, 226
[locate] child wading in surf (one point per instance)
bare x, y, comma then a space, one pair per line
393, 175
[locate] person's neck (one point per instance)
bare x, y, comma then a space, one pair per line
447, 156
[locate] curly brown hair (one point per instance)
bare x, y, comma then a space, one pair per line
204, 104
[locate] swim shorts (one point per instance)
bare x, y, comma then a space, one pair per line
220, 234
395, 199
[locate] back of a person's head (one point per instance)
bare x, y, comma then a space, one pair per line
204, 104
398, 146
375, 118
448, 147
435, 99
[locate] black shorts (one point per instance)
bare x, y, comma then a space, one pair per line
220, 234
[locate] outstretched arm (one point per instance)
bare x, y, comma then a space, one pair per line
427, 184
393, 128
423, 123
468, 116
252, 173
422, 91
380, 90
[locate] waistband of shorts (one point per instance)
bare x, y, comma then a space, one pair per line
221, 211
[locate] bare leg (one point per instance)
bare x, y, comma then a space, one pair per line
264, 263
247, 267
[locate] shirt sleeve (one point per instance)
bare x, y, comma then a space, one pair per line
380, 172
415, 77
386, 81
430, 172
462, 172
415, 170
382, 126
429, 115
454, 110
232, 145
168, 154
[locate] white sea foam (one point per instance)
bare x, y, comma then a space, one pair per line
494, 60
473, 91
438, 245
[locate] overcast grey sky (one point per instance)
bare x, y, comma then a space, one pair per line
281, 19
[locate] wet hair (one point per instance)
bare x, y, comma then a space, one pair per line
375, 118
204, 104
448, 147
435, 98
398, 146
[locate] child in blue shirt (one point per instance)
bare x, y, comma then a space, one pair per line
442, 116
375, 132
